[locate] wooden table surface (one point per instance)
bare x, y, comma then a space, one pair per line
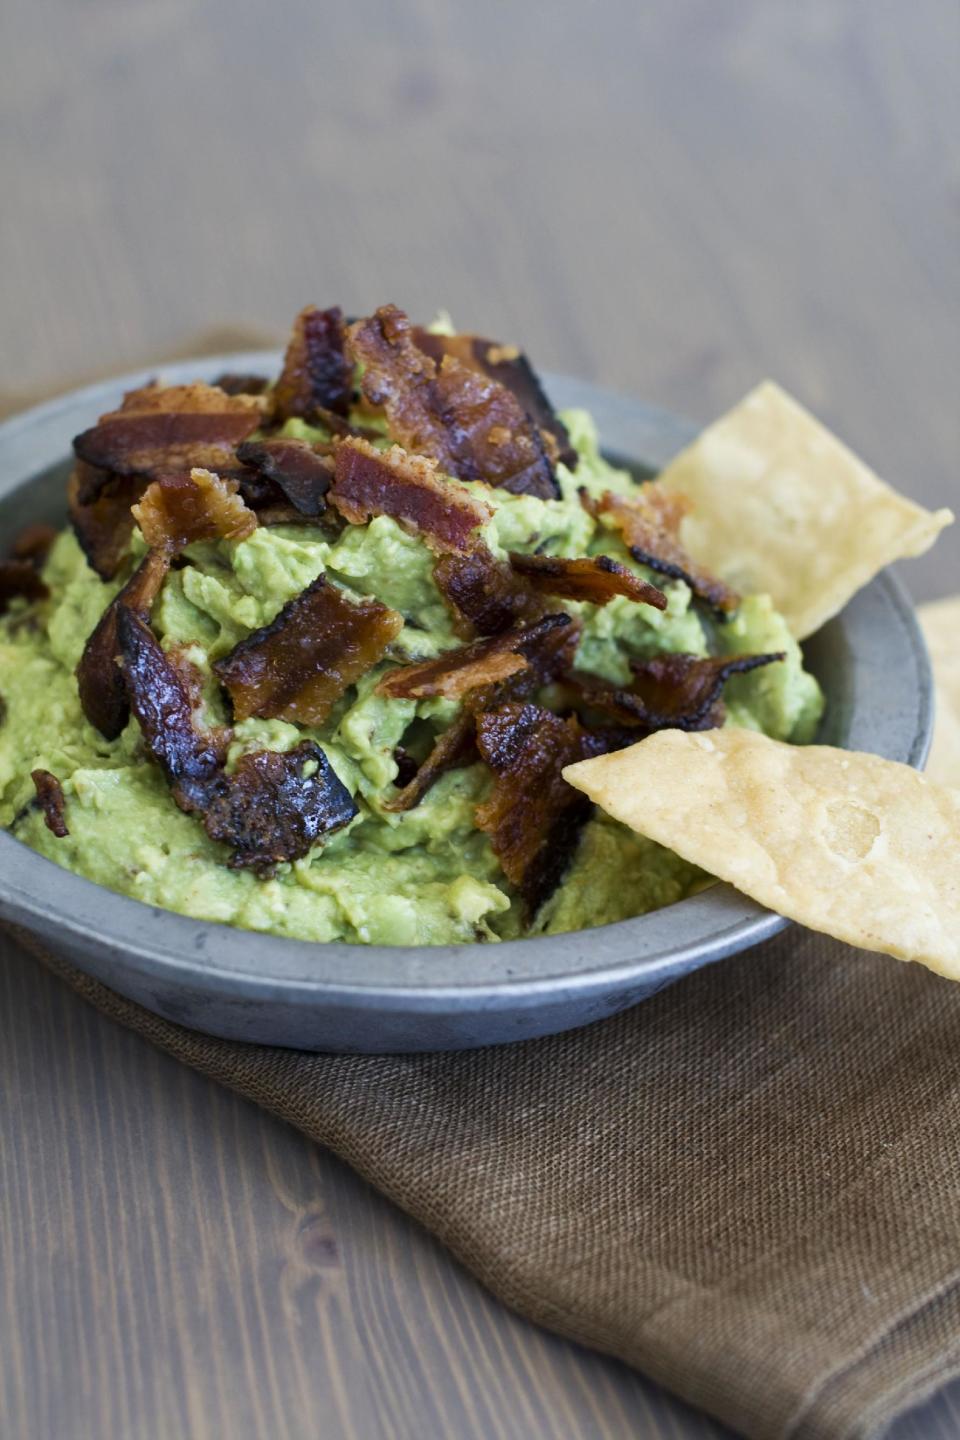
673, 198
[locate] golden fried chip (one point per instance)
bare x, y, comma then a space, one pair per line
861, 848
941, 628
779, 505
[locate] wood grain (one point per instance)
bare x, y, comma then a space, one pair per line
674, 199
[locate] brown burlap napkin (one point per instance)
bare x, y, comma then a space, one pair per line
748, 1187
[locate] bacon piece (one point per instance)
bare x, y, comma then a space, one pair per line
650, 524
483, 593
457, 746
33, 544
338, 426
299, 471
508, 366
273, 808
276, 806
161, 429
51, 801
297, 667
597, 579
232, 383
458, 671
470, 424
103, 526
316, 372
20, 580
673, 692
103, 694
533, 817
178, 510
370, 482
484, 662
162, 703
548, 656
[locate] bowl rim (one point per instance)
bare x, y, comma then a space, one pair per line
232, 962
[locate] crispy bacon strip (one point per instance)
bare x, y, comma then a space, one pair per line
470, 424
370, 482
297, 667
316, 372
650, 523
33, 544
508, 366
674, 692
484, 662
160, 429
232, 383
51, 802
20, 580
178, 510
162, 703
457, 746
533, 817
298, 471
103, 525
597, 579
103, 694
548, 656
273, 808
276, 806
483, 593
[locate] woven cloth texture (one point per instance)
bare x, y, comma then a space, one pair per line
748, 1186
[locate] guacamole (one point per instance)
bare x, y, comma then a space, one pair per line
426, 875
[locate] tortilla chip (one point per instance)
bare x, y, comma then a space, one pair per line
860, 848
779, 505
941, 628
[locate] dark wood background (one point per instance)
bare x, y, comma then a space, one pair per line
673, 198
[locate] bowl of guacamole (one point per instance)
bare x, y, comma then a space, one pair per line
293, 649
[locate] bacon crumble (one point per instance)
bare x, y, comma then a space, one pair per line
455, 747
300, 473
33, 544
272, 809
298, 666
316, 371
51, 802
161, 429
673, 692
103, 525
596, 579
474, 427
533, 817
484, 662
20, 580
370, 482
178, 510
276, 806
232, 383
163, 707
549, 656
103, 694
483, 593
650, 524
509, 367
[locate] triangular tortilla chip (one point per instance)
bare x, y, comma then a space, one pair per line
941, 628
780, 505
858, 847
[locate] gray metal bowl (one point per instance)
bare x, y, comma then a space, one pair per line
871, 662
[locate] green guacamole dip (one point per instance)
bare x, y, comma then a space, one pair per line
426, 876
